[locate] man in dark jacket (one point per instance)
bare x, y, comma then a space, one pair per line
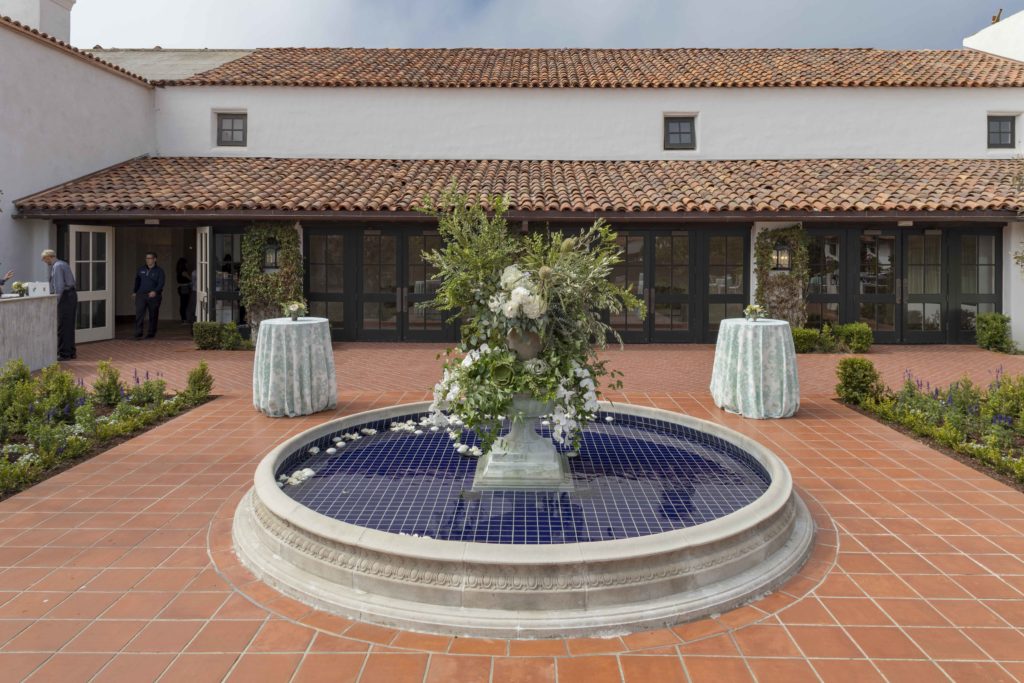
149, 289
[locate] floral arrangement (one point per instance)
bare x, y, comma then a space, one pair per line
294, 309
19, 288
532, 319
754, 311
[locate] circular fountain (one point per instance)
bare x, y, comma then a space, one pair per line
661, 518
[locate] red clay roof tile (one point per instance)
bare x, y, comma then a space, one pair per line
212, 184
613, 68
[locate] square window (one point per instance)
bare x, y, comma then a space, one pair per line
1002, 132
680, 132
231, 130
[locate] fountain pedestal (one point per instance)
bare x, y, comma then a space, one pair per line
523, 459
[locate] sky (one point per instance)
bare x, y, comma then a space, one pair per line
907, 24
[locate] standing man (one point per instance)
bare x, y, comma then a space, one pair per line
62, 283
148, 291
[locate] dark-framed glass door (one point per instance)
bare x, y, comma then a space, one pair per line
327, 279
378, 294
874, 283
923, 291
657, 268
975, 279
723, 284
825, 253
420, 323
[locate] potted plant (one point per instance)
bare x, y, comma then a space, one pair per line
19, 288
754, 311
295, 309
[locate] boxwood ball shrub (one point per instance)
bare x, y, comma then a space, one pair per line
858, 381
805, 340
993, 332
213, 336
857, 337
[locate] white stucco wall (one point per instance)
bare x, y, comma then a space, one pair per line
1004, 38
1013, 280
732, 123
60, 118
52, 17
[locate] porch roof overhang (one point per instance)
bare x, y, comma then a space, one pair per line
226, 188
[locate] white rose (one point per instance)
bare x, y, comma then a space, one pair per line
511, 277
510, 309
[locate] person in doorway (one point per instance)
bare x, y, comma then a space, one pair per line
148, 292
183, 275
62, 283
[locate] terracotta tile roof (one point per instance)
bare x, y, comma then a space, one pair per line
613, 68
18, 27
212, 185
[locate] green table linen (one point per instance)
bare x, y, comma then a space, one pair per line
755, 372
294, 369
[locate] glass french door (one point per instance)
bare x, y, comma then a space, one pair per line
656, 267
923, 290
723, 284
877, 287
975, 277
91, 259
202, 283
393, 279
325, 276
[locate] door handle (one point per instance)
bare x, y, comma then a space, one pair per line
400, 299
648, 299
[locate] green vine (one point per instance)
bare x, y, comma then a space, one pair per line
262, 293
783, 293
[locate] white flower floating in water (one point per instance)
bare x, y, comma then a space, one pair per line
331, 451
313, 450
545, 423
609, 419
434, 428
462, 448
418, 432
297, 477
475, 451
337, 439
368, 431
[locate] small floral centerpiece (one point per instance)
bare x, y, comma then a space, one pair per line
19, 288
754, 311
294, 309
532, 311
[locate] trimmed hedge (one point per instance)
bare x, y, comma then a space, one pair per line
993, 332
213, 336
848, 338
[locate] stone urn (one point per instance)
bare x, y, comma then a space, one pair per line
523, 459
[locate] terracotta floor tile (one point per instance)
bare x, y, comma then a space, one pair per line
884, 642
199, 668
588, 669
224, 636
589, 646
371, 633
69, 668
105, 636
422, 641
1002, 644
788, 670
324, 642
278, 635
977, 672
716, 670
944, 643
134, 667
523, 670
330, 668
967, 613
641, 669
46, 635
920, 671
696, 630
856, 611
17, 666
715, 645
164, 636
537, 648
847, 671
194, 606
648, 639
913, 612
138, 605
265, 668
765, 641
807, 611
469, 668
239, 607
478, 646
824, 641
394, 668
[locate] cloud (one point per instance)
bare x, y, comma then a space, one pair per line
530, 23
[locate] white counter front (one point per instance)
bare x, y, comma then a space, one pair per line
28, 330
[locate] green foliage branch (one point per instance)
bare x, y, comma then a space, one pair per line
262, 293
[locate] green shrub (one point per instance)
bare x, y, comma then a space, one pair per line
805, 340
58, 395
230, 338
993, 332
200, 384
108, 389
858, 381
857, 337
206, 335
827, 342
148, 393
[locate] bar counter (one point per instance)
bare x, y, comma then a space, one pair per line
28, 330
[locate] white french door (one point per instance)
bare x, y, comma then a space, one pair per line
202, 283
91, 259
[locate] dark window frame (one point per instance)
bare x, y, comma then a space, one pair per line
692, 145
1012, 120
244, 118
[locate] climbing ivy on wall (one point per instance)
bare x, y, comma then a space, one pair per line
783, 293
262, 293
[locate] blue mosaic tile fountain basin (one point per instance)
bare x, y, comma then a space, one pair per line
634, 476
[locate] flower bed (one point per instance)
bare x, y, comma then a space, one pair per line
985, 424
51, 420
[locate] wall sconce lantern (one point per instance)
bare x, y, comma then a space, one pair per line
271, 252
781, 259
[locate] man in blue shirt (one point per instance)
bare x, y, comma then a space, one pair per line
148, 291
62, 283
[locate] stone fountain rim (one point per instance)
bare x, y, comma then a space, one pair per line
764, 508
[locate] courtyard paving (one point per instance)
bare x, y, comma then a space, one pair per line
120, 569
